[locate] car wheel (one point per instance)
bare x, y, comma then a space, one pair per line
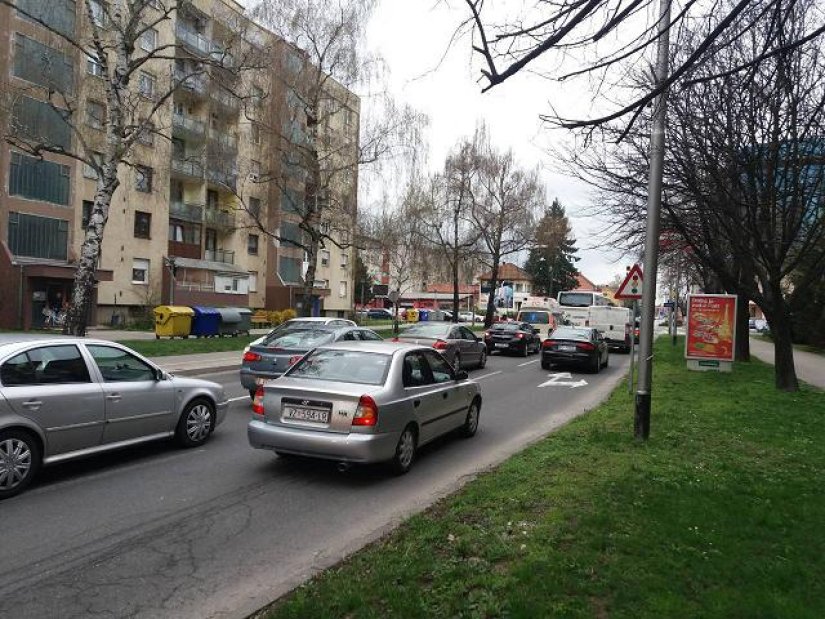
483, 360
404, 451
470, 426
196, 423
526, 350
545, 365
596, 365
606, 360
19, 461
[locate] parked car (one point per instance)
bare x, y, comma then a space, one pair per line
374, 402
274, 354
380, 313
583, 346
62, 398
470, 317
457, 343
513, 337
302, 323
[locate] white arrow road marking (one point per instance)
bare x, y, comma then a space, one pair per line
521, 365
557, 379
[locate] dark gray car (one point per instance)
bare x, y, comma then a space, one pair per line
457, 343
63, 398
275, 353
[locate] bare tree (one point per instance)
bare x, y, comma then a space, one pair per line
121, 45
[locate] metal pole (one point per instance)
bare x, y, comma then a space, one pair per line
641, 422
632, 345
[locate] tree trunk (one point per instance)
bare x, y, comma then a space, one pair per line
780, 323
491, 299
309, 280
743, 343
455, 287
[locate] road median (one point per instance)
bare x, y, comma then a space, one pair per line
719, 514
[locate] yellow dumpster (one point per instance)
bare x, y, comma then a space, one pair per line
412, 314
173, 321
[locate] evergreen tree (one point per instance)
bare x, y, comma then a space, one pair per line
551, 262
363, 281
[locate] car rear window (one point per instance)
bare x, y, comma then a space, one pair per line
343, 366
576, 299
536, 318
425, 330
566, 333
299, 338
507, 326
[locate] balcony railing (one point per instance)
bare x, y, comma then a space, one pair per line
224, 139
186, 211
195, 41
222, 56
187, 167
187, 81
226, 100
189, 124
221, 177
219, 255
216, 217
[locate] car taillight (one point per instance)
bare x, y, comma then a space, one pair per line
440, 345
367, 412
258, 401
251, 357
585, 346
294, 359
487, 335
395, 339
548, 343
519, 336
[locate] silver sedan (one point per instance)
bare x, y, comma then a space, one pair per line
368, 402
63, 398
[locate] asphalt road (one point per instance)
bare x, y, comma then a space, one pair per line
220, 531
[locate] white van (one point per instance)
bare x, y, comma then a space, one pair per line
543, 319
585, 308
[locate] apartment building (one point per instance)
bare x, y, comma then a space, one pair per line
190, 219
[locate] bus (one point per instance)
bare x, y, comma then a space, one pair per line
585, 308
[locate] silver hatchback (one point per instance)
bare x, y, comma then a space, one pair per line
63, 398
365, 402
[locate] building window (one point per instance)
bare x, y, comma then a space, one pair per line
257, 96
149, 40
255, 133
143, 225
57, 14
146, 85
89, 171
38, 237
95, 114
254, 170
342, 289
255, 207
42, 65
140, 271
86, 215
253, 281
98, 13
322, 284
252, 244
93, 64
290, 270
344, 261
146, 133
40, 122
324, 257
38, 179
143, 179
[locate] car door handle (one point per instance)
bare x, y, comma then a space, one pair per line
32, 404
416, 403
115, 397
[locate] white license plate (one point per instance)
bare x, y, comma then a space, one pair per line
502, 345
567, 348
299, 413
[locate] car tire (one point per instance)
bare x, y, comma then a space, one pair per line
596, 365
526, 350
545, 365
482, 362
470, 426
24, 451
405, 450
606, 360
196, 423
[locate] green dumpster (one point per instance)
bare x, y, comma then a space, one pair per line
173, 321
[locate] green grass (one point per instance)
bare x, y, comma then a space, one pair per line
165, 347
720, 514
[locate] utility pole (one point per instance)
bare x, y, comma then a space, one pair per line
170, 264
641, 421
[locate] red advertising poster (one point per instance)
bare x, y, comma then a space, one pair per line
711, 326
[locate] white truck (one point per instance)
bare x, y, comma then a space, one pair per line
584, 308
541, 313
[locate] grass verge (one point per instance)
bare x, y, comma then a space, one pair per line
190, 346
719, 514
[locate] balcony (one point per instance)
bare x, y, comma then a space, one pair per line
222, 56
186, 211
225, 179
225, 100
218, 218
219, 255
185, 80
226, 140
187, 167
188, 126
192, 40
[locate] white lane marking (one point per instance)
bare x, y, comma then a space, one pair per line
487, 375
239, 398
521, 365
557, 379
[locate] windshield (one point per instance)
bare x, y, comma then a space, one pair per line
343, 366
507, 326
303, 339
566, 333
576, 299
536, 318
426, 330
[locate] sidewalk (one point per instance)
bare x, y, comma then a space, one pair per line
810, 367
116, 335
203, 363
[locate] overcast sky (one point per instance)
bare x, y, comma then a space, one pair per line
412, 37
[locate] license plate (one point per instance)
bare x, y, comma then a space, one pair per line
300, 413
567, 348
502, 345
259, 380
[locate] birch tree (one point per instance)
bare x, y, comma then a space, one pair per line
119, 41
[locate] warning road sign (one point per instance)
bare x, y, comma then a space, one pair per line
631, 287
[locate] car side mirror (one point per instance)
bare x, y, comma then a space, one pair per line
461, 375
160, 375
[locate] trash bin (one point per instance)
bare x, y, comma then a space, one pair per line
245, 325
206, 321
423, 315
230, 323
173, 321
412, 315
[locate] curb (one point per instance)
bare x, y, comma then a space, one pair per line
201, 371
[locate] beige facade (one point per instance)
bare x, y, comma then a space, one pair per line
194, 192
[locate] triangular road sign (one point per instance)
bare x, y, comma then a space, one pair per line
631, 287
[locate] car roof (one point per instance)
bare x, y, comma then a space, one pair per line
385, 347
318, 319
10, 342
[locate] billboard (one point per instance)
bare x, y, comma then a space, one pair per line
711, 327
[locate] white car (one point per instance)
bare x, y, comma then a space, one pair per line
303, 322
469, 317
